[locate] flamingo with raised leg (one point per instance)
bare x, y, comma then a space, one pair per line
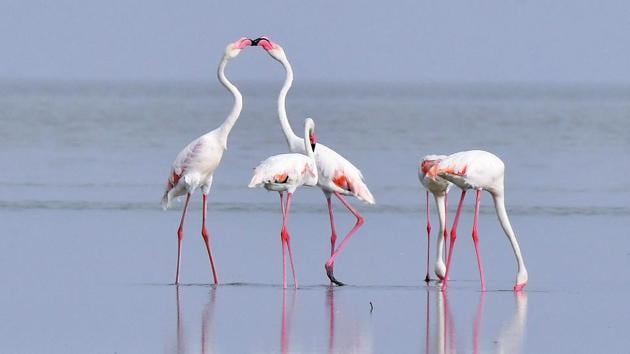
194, 166
439, 187
285, 173
337, 176
479, 170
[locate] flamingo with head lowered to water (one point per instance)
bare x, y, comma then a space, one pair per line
478, 170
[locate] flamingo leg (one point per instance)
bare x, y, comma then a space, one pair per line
453, 238
180, 237
286, 240
475, 237
427, 278
206, 239
331, 261
333, 234
445, 218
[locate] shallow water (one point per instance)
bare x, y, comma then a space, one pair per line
88, 256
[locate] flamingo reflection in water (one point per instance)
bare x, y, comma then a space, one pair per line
510, 339
285, 323
206, 324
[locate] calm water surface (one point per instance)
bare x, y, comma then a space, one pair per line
88, 256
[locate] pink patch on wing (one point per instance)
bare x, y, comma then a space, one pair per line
342, 182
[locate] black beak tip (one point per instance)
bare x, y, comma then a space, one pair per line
329, 273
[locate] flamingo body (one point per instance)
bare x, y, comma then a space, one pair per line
472, 170
285, 173
194, 167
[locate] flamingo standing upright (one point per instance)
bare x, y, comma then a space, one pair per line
337, 176
439, 187
285, 173
479, 170
195, 165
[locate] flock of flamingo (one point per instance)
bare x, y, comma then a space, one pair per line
310, 163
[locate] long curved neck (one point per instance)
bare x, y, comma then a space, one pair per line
499, 204
282, 107
226, 126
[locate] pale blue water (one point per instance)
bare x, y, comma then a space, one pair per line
88, 255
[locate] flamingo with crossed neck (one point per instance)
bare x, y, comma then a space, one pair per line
336, 175
285, 173
194, 166
478, 170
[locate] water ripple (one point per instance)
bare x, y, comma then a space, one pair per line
16, 205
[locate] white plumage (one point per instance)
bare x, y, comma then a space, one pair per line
285, 172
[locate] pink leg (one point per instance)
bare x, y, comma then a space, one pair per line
286, 240
180, 237
453, 238
427, 278
445, 223
333, 235
475, 237
282, 238
206, 239
331, 261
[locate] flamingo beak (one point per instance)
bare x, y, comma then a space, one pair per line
313, 139
264, 42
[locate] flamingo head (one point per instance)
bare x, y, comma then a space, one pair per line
233, 49
272, 48
309, 123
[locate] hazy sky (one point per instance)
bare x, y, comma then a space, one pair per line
416, 41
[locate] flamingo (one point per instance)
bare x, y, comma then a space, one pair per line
194, 166
479, 170
337, 176
439, 187
285, 173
